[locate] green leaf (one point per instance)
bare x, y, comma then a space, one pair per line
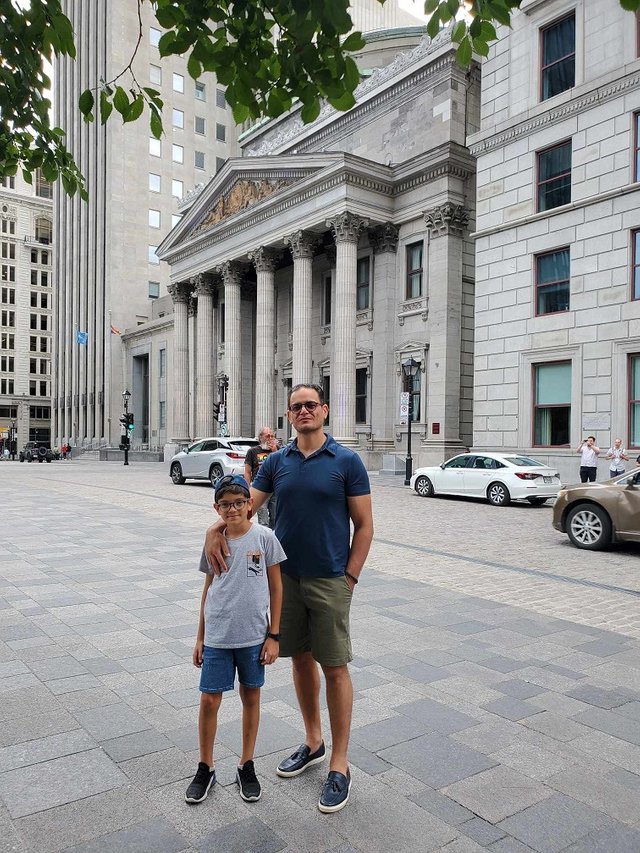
481, 47
458, 32
27, 176
240, 113
135, 110
630, 5
194, 67
464, 53
488, 31
310, 111
121, 101
353, 42
344, 102
155, 123
430, 6
106, 107
433, 27
86, 102
454, 7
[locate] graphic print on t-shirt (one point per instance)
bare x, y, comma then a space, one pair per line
254, 564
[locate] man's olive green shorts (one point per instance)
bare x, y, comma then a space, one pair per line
315, 618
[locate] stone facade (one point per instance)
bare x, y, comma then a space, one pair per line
336, 251
595, 328
26, 307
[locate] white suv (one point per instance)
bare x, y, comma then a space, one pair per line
210, 459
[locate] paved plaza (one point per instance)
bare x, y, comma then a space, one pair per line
496, 677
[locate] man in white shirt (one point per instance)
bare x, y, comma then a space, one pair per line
588, 459
617, 454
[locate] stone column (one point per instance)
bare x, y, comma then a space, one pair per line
231, 276
204, 285
384, 401
346, 228
445, 224
264, 260
301, 245
192, 313
180, 294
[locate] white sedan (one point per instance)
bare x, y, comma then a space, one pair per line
498, 477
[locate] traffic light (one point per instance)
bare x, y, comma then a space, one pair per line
129, 421
216, 411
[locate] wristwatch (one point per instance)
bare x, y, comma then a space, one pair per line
275, 637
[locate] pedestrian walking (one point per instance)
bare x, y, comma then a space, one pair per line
588, 459
235, 632
618, 455
64, 450
321, 488
252, 463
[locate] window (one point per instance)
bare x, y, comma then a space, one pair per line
326, 301
634, 400
552, 282
457, 462
44, 279
8, 412
44, 231
200, 124
44, 323
154, 182
33, 388
163, 363
44, 258
154, 289
6, 386
198, 159
33, 365
40, 413
178, 82
636, 146
7, 341
34, 300
153, 258
175, 218
155, 75
200, 91
177, 153
44, 300
154, 218
44, 367
558, 52
178, 119
44, 188
177, 189
414, 271
8, 226
8, 318
154, 36
361, 395
33, 344
162, 414
554, 176
7, 363
43, 345
7, 272
8, 182
9, 251
362, 299
43, 389
221, 132
221, 101
220, 161
413, 386
552, 404
8, 296
155, 147
635, 275
34, 256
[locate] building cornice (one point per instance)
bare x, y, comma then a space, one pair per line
148, 328
572, 107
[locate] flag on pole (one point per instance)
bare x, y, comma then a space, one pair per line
82, 337
115, 331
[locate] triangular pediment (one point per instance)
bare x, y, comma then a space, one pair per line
243, 183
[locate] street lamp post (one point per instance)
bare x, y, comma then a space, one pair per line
410, 367
126, 396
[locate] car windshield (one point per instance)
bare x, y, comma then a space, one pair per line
524, 462
243, 446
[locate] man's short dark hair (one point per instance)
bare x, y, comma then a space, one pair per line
311, 386
591, 436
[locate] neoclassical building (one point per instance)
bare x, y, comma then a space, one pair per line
329, 253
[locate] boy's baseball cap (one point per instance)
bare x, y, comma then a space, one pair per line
231, 480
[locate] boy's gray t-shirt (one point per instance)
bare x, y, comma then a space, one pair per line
237, 603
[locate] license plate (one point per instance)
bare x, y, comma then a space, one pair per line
548, 479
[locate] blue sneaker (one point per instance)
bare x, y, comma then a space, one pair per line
335, 792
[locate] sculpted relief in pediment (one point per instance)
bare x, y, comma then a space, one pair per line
242, 195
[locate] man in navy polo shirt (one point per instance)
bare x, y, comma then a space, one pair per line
321, 487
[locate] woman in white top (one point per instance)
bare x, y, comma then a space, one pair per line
617, 454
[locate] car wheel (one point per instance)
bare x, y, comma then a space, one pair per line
176, 474
424, 487
215, 473
48, 459
498, 494
29, 458
589, 527
537, 501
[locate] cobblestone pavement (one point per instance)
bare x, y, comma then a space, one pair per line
497, 679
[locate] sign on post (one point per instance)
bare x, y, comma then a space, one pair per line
404, 408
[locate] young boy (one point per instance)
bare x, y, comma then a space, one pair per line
235, 632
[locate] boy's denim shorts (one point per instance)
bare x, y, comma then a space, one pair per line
219, 668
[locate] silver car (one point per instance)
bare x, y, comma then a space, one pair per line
210, 459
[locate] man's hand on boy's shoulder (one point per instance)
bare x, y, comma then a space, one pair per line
197, 653
216, 548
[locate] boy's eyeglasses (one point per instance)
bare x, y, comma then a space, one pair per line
310, 406
225, 506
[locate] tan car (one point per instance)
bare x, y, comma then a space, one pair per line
593, 515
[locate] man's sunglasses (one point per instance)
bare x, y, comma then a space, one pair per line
310, 406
